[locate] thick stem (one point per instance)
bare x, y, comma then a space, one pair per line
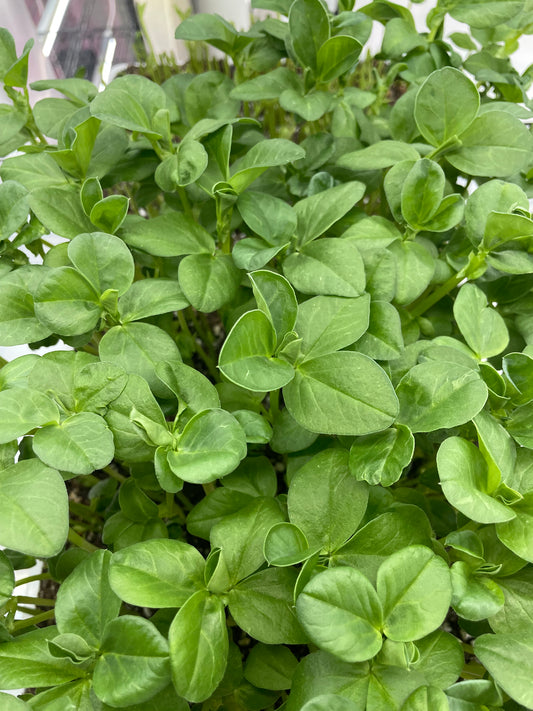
475, 263
39, 601
34, 620
80, 542
33, 578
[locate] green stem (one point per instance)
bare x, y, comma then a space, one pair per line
437, 295
34, 620
33, 578
187, 504
185, 201
39, 601
184, 325
114, 474
274, 403
475, 262
83, 511
80, 542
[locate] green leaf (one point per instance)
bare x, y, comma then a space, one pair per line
21, 410
211, 445
422, 192
383, 339
285, 545
385, 534
494, 196
157, 573
267, 86
66, 303
56, 374
333, 702
356, 395
256, 428
27, 489
509, 659
426, 698
213, 508
268, 216
265, 154
328, 323
241, 536
496, 445
475, 597
33, 171
18, 322
59, 209
210, 28
247, 358
467, 482
208, 282
109, 214
129, 445
263, 606
12, 703
415, 590
275, 297
270, 667
325, 501
380, 458
434, 395
134, 663
328, 266
85, 601
190, 386
482, 326
518, 367
80, 444
138, 347
182, 168
503, 227
446, 105
441, 659
8, 51
496, 144
316, 214
96, 385
198, 642
415, 267
340, 611
379, 155
7, 579
516, 533
169, 235
130, 102
516, 615
485, 14
309, 30
310, 106
151, 297
337, 56
14, 207
288, 435
26, 662
90, 193
519, 425
104, 260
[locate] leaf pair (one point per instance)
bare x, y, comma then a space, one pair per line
492, 144
262, 352
344, 615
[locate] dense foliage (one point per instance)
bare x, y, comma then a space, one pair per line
287, 460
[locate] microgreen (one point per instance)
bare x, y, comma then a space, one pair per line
286, 462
